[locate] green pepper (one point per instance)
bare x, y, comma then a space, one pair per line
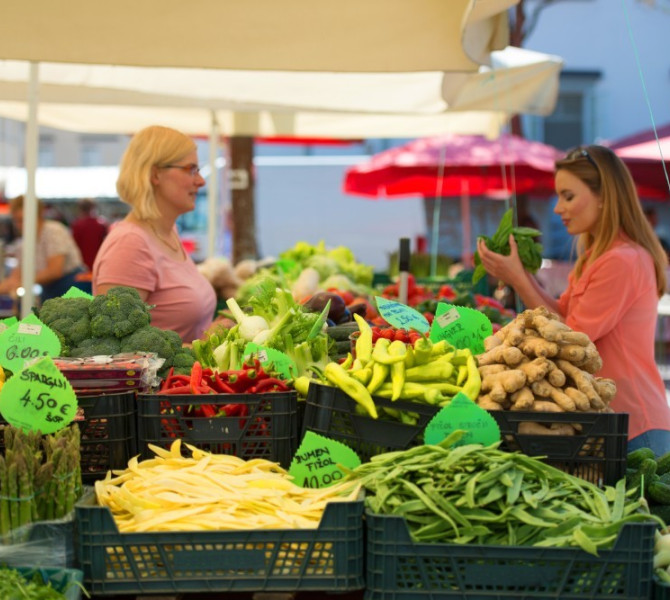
473, 383
364, 341
380, 352
422, 351
437, 370
362, 375
380, 372
397, 348
350, 386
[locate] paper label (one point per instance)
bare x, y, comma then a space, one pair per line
75, 292
282, 363
462, 413
461, 326
315, 464
401, 316
38, 398
26, 340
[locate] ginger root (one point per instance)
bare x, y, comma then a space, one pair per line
510, 355
500, 384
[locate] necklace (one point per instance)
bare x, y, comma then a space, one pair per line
165, 241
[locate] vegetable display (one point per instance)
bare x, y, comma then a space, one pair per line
537, 363
482, 495
40, 476
15, 585
650, 476
211, 491
530, 251
118, 321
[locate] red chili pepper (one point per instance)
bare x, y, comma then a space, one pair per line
271, 384
220, 385
242, 380
208, 410
232, 410
166, 381
179, 389
196, 376
178, 380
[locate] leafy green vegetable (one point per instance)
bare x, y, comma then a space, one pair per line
530, 251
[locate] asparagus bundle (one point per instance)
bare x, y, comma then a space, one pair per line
40, 477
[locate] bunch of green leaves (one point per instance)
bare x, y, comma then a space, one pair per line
530, 251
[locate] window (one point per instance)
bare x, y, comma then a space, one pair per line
573, 121
46, 156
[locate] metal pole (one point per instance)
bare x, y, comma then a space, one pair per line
29, 242
213, 189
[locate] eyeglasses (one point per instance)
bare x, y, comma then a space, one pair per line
582, 153
191, 169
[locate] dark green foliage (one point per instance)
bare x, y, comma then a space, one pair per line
119, 312
530, 251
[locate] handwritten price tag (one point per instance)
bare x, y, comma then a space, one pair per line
75, 292
26, 340
269, 357
38, 398
461, 326
315, 464
401, 316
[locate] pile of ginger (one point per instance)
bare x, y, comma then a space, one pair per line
537, 363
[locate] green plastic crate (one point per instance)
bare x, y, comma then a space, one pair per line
269, 431
401, 569
329, 558
661, 590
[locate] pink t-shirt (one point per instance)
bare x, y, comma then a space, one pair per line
615, 304
184, 300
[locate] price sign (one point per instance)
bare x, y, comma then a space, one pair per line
401, 316
315, 464
461, 326
7, 323
462, 413
26, 340
283, 364
75, 292
38, 398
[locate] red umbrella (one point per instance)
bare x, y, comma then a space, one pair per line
642, 154
446, 165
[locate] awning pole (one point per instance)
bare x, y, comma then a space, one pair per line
213, 189
29, 242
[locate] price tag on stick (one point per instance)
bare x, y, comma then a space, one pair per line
315, 464
25, 341
401, 316
38, 398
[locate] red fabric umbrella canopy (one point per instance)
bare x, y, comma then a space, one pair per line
451, 165
642, 156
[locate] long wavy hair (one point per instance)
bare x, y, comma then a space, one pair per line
152, 146
607, 177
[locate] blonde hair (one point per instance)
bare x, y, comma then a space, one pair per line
16, 204
151, 147
607, 177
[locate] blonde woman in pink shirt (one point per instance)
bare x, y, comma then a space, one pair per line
614, 287
159, 178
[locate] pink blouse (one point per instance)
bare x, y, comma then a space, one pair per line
184, 300
615, 304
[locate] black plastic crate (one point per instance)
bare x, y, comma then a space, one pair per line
399, 569
328, 558
108, 433
661, 590
269, 430
332, 413
597, 453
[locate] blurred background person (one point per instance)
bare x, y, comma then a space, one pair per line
57, 257
89, 230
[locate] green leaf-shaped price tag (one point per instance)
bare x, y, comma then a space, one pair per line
26, 340
461, 326
75, 292
462, 413
282, 363
315, 463
401, 316
7, 323
38, 398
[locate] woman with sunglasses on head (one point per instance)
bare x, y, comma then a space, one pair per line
614, 287
159, 178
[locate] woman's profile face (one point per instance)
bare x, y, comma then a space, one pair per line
578, 207
176, 187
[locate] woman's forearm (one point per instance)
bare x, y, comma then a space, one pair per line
532, 294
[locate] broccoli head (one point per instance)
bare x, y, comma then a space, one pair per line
68, 317
95, 346
119, 312
183, 361
150, 339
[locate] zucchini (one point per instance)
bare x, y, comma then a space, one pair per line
659, 492
646, 471
636, 457
662, 511
665, 477
342, 332
663, 463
